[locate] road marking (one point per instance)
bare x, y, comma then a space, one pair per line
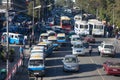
97, 68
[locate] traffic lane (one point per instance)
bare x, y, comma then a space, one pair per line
54, 69
95, 58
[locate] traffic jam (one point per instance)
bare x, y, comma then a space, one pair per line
74, 40
79, 36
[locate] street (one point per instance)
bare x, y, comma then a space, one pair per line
90, 66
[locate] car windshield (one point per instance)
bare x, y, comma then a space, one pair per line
70, 60
61, 38
36, 62
44, 37
78, 46
109, 46
117, 65
76, 39
52, 34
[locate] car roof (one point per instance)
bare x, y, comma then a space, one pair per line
61, 35
52, 38
36, 56
107, 43
70, 56
42, 43
75, 35
44, 34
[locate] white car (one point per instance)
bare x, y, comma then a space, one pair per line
78, 49
74, 39
107, 48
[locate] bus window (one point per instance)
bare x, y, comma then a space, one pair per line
98, 27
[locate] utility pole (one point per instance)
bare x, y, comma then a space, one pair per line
7, 46
33, 18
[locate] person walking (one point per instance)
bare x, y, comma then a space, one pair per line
90, 50
24, 42
21, 50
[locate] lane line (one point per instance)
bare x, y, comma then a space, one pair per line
97, 69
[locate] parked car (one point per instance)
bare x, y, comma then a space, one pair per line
70, 63
112, 67
107, 48
90, 39
3, 74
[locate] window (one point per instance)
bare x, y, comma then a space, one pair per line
70, 60
36, 62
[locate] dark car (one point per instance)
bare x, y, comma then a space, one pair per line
2, 74
90, 39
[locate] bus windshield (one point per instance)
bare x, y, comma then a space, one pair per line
65, 22
84, 26
36, 62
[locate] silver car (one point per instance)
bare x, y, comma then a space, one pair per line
70, 63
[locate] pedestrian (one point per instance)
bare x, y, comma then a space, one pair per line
21, 50
24, 42
90, 50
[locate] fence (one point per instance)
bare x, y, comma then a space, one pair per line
14, 70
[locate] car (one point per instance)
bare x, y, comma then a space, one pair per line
3, 74
74, 38
70, 34
107, 48
70, 63
78, 48
90, 39
112, 67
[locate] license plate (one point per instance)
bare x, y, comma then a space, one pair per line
36, 73
114, 69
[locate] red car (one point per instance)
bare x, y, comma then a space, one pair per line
111, 67
89, 38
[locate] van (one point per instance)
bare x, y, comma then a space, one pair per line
43, 37
38, 49
14, 38
47, 46
36, 65
61, 38
53, 40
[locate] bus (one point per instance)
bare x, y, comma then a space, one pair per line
81, 27
96, 27
36, 65
65, 23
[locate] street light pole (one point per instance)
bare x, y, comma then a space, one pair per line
33, 18
7, 46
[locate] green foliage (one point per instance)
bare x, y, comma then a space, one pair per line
105, 9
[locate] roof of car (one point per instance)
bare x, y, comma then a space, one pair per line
75, 36
44, 34
107, 43
61, 34
42, 43
52, 38
36, 56
70, 56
